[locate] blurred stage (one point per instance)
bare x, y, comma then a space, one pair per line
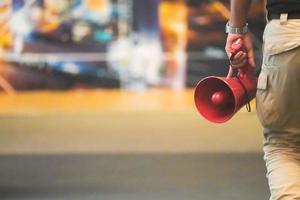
113, 144
118, 121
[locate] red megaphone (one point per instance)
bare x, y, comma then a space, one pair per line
218, 98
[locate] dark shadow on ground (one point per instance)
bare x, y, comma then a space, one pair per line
130, 176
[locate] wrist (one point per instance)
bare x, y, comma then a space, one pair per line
241, 30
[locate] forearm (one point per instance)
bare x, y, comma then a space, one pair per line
238, 12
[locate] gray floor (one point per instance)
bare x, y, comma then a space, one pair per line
133, 177
174, 155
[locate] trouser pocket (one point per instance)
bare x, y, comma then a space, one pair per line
267, 105
278, 91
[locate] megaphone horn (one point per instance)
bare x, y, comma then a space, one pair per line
218, 98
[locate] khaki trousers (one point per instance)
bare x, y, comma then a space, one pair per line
278, 107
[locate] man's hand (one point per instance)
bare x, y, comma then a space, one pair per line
241, 58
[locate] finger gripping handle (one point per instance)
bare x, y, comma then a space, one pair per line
237, 46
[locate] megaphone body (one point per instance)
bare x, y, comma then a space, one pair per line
218, 98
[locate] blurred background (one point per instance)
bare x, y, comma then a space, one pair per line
96, 102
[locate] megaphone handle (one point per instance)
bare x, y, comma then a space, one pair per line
237, 46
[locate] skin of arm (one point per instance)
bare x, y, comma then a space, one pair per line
238, 14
